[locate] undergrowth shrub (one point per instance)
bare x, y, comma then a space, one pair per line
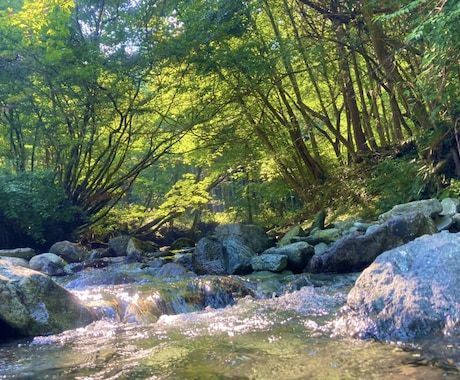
395, 181
35, 211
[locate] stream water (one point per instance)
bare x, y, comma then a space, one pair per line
295, 335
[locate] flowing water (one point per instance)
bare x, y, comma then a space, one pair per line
295, 335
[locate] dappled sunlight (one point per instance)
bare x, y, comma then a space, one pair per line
260, 338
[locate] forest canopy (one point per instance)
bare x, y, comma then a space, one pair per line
127, 115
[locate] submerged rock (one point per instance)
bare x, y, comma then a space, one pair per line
107, 276
409, 292
174, 270
146, 303
32, 304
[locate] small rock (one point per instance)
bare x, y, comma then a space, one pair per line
328, 235
321, 248
140, 246
319, 219
184, 259
48, 263
272, 263
298, 255
450, 206
292, 234
443, 222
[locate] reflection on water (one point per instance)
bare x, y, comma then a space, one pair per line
287, 337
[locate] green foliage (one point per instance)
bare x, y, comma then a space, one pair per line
121, 219
186, 193
395, 181
34, 208
121, 99
452, 191
433, 28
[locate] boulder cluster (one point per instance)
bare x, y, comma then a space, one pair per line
379, 301
343, 247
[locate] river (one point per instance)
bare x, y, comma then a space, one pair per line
294, 335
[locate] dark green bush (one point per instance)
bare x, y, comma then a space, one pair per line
34, 210
395, 181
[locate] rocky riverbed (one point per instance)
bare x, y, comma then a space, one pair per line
406, 266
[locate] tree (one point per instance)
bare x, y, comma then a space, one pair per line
108, 94
431, 27
95, 104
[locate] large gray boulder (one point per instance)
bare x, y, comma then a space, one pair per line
353, 253
429, 207
207, 257
32, 304
230, 249
118, 246
409, 292
236, 257
247, 234
70, 252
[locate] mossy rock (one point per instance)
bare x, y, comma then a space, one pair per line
182, 243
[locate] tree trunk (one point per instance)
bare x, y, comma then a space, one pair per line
394, 82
